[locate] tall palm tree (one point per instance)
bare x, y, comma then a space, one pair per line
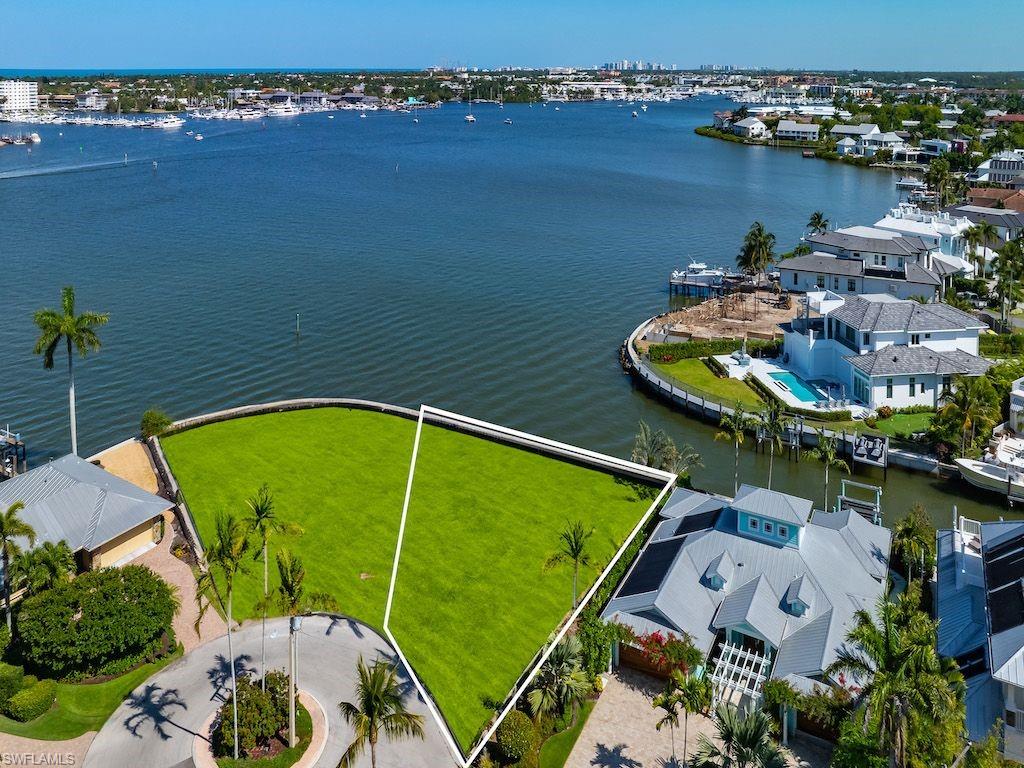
773, 422
263, 521
732, 427
818, 223
224, 558
827, 452
78, 331
746, 741
758, 250
972, 404
685, 692
294, 601
12, 527
892, 651
1008, 267
572, 549
378, 708
981, 234
913, 539
654, 448
560, 683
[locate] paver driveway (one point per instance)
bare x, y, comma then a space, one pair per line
156, 726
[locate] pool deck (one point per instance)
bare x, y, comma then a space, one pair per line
762, 370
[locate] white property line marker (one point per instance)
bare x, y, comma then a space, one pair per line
551, 446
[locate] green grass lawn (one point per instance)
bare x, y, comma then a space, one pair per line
694, 375
473, 601
555, 751
904, 423
83, 707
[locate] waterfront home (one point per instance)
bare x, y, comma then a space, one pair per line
765, 585
871, 144
996, 197
791, 130
106, 521
932, 148
979, 602
946, 125
750, 128
1009, 224
942, 232
92, 100
723, 120
882, 350
1004, 169
846, 146
853, 131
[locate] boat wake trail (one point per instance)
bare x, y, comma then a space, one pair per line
62, 169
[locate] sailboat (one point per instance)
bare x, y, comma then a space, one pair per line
469, 118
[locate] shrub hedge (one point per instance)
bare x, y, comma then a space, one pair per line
1001, 344
94, 622
30, 703
761, 389
669, 352
11, 679
517, 736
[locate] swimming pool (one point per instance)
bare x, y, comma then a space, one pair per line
801, 390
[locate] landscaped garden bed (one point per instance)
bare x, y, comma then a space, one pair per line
484, 520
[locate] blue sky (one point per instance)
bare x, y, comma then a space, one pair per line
866, 34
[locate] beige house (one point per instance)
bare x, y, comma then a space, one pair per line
105, 520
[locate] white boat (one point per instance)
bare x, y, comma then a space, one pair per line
909, 182
992, 477
198, 137
190, 133
508, 121
362, 114
643, 107
469, 118
330, 117
34, 138
698, 273
635, 114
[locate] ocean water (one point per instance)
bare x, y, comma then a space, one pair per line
483, 268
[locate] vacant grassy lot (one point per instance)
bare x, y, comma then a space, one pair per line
904, 423
694, 376
474, 601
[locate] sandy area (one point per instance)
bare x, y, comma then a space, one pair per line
15, 750
735, 316
130, 461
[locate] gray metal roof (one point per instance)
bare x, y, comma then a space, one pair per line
78, 502
824, 262
773, 504
801, 590
894, 246
870, 314
854, 130
842, 557
1000, 217
900, 360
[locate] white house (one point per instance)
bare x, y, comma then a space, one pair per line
869, 144
943, 232
884, 350
846, 146
766, 586
1002, 168
854, 131
750, 128
932, 148
92, 100
791, 130
1009, 223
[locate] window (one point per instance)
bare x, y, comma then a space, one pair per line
900, 263
888, 387
867, 338
851, 285
783, 532
752, 524
876, 260
883, 260
821, 281
913, 386
927, 335
796, 279
915, 338
768, 527
922, 387
946, 381
835, 283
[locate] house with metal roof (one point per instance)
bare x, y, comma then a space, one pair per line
943, 233
750, 128
883, 350
762, 583
104, 520
979, 601
1009, 224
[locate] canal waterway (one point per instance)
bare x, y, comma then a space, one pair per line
485, 268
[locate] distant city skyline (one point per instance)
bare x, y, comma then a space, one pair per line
313, 34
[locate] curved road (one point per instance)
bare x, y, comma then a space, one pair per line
156, 726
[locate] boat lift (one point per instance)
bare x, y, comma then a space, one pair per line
870, 509
13, 455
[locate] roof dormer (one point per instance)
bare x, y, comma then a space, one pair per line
800, 595
719, 571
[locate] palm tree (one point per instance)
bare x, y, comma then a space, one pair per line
12, 527
746, 742
44, 567
262, 521
294, 601
892, 651
688, 693
827, 452
983, 233
773, 422
378, 707
732, 427
937, 176
226, 558
1008, 267
913, 539
654, 448
758, 250
78, 331
818, 223
560, 683
572, 548
971, 403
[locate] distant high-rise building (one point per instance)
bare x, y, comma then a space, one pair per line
19, 96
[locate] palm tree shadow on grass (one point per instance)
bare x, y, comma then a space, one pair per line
219, 674
613, 757
154, 704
